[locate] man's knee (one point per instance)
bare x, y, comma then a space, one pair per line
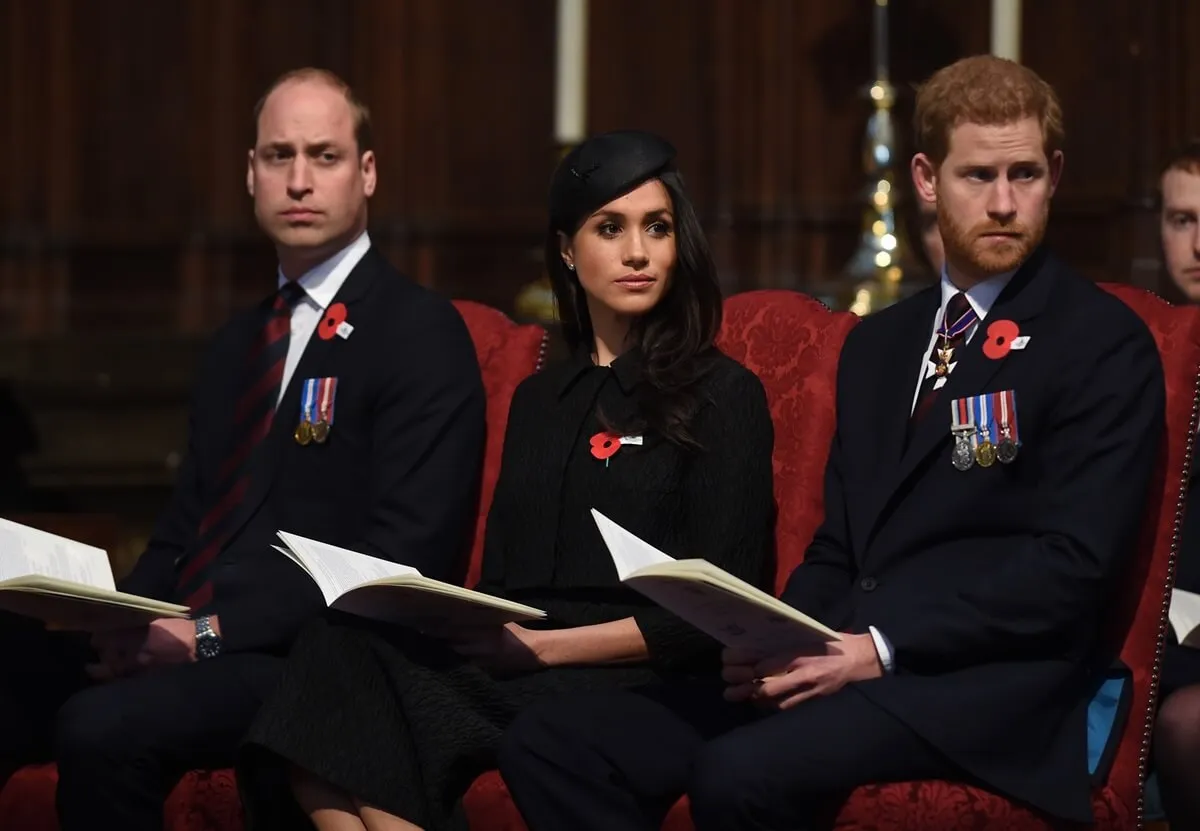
726, 781
539, 735
94, 727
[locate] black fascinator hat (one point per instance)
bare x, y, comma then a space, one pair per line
602, 168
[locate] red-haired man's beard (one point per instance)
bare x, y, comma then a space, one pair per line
990, 248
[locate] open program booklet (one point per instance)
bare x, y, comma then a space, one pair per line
387, 591
68, 585
1184, 615
710, 598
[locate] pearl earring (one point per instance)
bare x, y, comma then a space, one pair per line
571, 266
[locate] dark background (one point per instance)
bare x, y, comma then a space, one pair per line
126, 234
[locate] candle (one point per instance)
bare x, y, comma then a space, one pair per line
880, 51
1006, 29
570, 94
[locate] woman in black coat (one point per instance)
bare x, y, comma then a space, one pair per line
376, 726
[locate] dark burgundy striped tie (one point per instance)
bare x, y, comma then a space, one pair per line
253, 414
951, 334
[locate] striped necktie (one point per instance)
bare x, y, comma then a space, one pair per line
252, 417
951, 334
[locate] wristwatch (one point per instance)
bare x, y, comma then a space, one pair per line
208, 642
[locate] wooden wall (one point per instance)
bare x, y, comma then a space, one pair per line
126, 234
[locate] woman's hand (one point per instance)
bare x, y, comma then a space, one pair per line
509, 647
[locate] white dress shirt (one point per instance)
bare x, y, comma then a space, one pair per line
321, 285
981, 296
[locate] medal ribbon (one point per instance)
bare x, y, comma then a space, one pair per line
1008, 400
958, 327
985, 426
325, 395
308, 400
962, 418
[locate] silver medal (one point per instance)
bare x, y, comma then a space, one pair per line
962, 458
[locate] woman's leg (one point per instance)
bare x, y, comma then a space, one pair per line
328, 808
1177, 756
376, 820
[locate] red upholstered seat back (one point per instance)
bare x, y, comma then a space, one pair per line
1140, 614
508, 353
792, 342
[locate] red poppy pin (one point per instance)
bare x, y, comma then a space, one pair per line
332, 323
605, 445
1000, 337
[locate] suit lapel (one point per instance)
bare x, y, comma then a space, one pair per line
895, 388
1022, 300
318, 352
901, 365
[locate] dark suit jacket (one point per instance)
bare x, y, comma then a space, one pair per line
991, 583
398, 477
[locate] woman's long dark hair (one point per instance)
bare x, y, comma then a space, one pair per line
674, 339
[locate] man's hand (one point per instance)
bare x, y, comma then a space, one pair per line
510, 647
126, 652
117, 652
168, 641
787, 679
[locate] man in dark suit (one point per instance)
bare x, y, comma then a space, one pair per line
995, 440
1176, 733
347, 408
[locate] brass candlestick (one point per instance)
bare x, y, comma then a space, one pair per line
878, 264
535, 300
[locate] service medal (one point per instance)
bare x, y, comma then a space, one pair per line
961, 457
320, 432
303, 434
985, 453
1006, 451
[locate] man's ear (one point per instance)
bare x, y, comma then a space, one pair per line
250, 173
924, 177
1056, 168
367, 163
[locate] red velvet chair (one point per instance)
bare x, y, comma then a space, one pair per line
792, 342
208, 800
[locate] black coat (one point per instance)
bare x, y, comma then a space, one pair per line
398, 477
991, 583
715, 502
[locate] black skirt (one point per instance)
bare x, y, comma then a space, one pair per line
396, 719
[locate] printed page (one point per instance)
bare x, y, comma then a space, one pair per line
1184, 615
337, 570
629, 552
730, 618
25, 551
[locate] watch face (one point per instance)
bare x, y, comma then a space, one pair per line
208, 644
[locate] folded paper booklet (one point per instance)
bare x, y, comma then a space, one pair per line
386, 591
68, 585
708, 597
1184, 615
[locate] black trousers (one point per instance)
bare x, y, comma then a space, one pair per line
620, 760
120, 746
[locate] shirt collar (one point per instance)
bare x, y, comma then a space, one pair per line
627, 369
322, 282
982, 296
